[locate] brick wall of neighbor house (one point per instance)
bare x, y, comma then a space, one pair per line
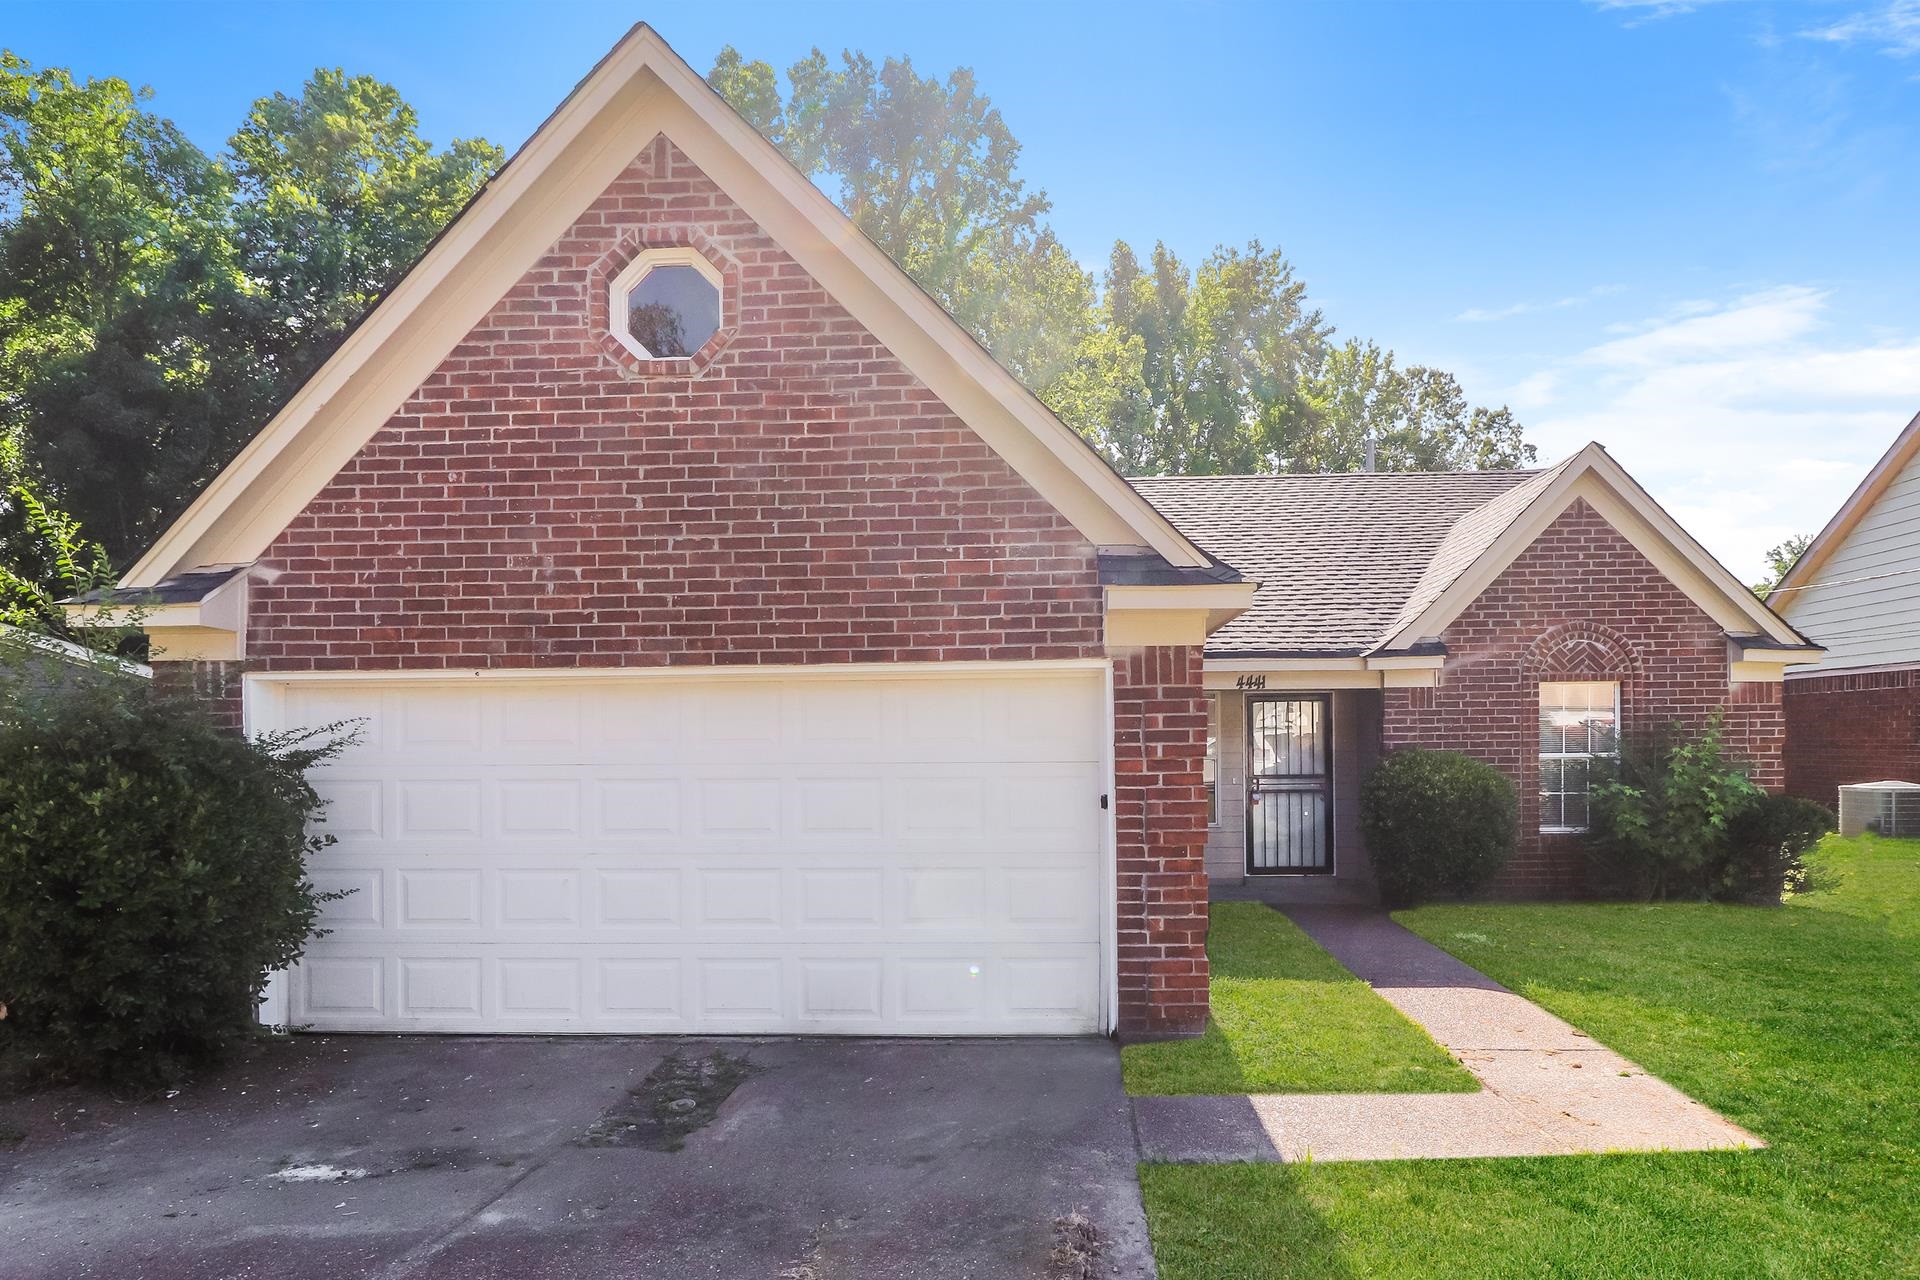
1160, 817
1579, 604
215, 685
544, 499
1863, 727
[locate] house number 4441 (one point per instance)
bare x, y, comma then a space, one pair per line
1250, 682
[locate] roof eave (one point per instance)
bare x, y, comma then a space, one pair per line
1858, 503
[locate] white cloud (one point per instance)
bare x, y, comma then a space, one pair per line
1748, 419
1893, 27
1696, 329
1481, 315
1654, 8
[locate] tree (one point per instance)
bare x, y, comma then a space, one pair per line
1224, 348
926, 168
44, 559
117, 288
156, 303
1219, 368
336, 195
1780, 559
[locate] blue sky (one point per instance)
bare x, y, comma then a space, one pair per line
1688, 230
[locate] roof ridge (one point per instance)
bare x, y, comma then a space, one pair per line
1317, 475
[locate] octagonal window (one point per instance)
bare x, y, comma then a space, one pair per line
666, 304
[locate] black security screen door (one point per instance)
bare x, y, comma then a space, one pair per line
1289, 786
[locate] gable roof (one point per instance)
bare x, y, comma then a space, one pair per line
1376, 563
1902, 451
641, 89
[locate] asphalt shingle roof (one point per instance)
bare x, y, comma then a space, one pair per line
183, 588
1343, 561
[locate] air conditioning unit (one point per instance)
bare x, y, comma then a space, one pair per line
1885, 808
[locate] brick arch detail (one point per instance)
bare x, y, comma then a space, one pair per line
1582, 651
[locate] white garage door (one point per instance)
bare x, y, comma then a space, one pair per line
726, 854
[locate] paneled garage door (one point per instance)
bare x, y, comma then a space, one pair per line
728, 854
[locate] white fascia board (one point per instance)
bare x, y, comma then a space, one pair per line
1407, 662
1235, 596
1258, 665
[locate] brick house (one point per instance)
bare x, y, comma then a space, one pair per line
738, 648
1855, 715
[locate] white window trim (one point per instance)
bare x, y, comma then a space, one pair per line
636, 271
1539, 755
1216, 717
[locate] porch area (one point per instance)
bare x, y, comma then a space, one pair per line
1284, 772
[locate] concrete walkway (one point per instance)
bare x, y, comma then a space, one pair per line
1547, 1089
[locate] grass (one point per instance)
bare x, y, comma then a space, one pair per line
1288, 1018
1801, 1023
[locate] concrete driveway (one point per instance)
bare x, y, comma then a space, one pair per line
550, 1158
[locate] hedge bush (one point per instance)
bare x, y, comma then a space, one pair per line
1682, 820
1438, 824
1767, 843
153, 866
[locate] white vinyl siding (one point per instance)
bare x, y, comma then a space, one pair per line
1864, 602
791, 854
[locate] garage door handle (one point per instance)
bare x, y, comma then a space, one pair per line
1103, 801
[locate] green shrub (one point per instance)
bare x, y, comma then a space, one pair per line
1438, 824
153, 866
1682, 820
1658, 827
1767, 843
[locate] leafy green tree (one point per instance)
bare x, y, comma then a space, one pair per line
1416, 419
336, 195
157, 303
1780, 559
1224, 351
118, 287
43, 559
1166, 368
926, 168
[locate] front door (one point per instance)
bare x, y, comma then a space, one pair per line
1289, 785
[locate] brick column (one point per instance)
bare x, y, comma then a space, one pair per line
1160, 744
1756, 731
215, 685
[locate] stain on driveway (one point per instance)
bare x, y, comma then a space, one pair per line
434, 1158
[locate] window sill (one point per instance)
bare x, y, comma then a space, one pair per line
1564, 831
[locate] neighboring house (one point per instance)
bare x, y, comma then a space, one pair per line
42, 658
1855, 717
741, 649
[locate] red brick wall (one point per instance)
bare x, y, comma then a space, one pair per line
215, 685
1841, 729
1579, 604
795, 496
1160, 742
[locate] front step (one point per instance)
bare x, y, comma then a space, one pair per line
1295, 891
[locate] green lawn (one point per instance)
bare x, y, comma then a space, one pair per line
1800, 1023
1288, 1018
